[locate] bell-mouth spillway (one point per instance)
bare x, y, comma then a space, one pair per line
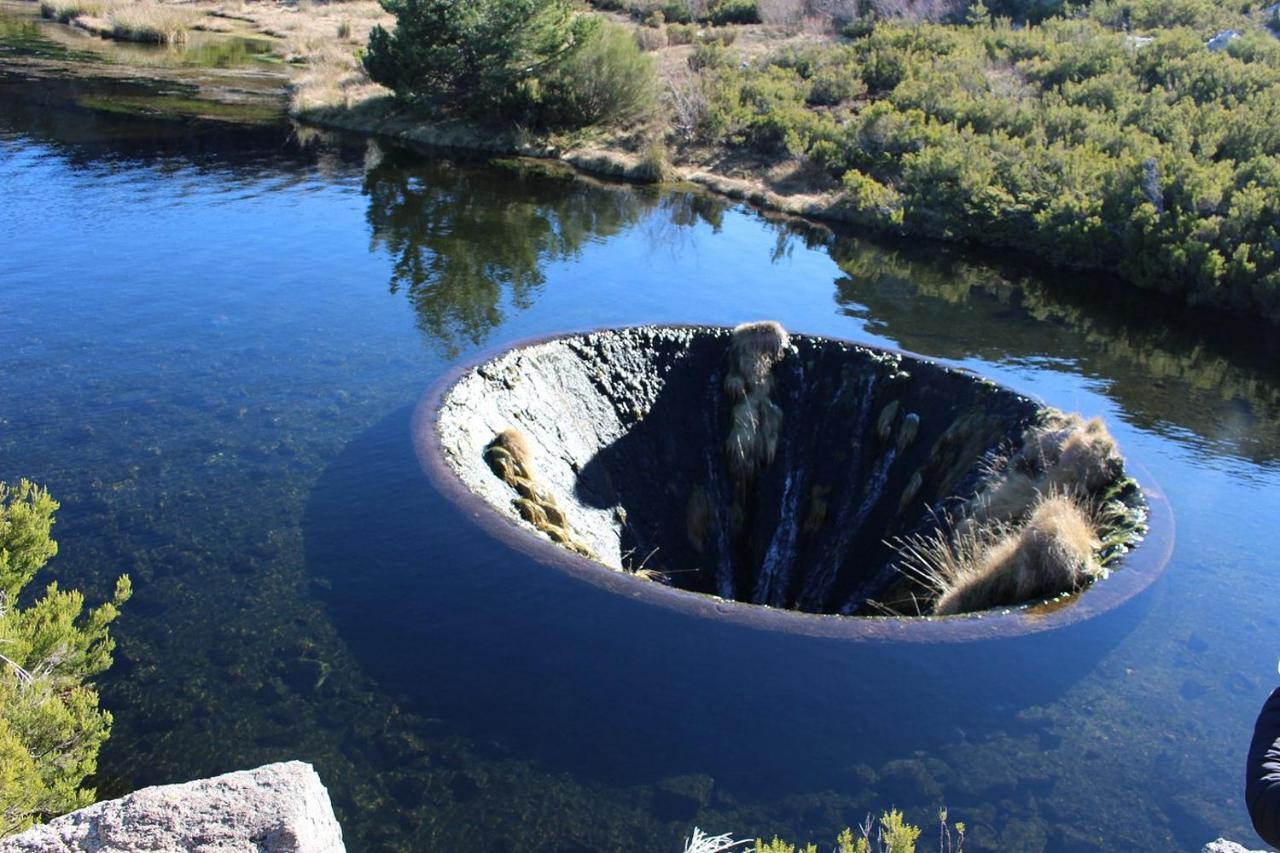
780, 481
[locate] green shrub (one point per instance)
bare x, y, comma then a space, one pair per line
655, 163
722, 35
708, 55
609, 80
650, 39
50, 724
834, 85
681, 34
475, 56
891, 834
734, 12
677, 12
1063, 139
859, 28
870, 200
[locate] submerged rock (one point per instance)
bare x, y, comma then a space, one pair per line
277, 808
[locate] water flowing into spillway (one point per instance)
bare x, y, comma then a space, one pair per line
755, 466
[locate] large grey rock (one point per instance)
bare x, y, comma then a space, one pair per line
278, 808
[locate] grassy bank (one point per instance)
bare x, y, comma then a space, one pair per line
1131, 137
146, 22
1137, 139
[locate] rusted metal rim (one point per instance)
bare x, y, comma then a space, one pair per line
1137, 570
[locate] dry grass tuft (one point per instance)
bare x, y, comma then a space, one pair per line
153, 23
510, 457
1063, 455
753, 437
65, 11
757, 421
982, 567
1087, 460
756, 348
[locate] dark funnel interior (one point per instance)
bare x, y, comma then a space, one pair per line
628, 432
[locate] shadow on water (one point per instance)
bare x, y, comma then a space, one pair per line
461, 627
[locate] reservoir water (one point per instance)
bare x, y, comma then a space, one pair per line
212, 340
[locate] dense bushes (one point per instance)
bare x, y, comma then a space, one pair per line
657, 12
534, 62
50, 723
1158, 160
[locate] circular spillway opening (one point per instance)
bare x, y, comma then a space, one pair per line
796, 482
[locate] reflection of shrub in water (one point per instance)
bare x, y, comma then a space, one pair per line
461, 242
1151, 352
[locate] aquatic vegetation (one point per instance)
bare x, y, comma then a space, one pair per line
51, 727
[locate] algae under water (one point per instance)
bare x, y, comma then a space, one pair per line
213, 343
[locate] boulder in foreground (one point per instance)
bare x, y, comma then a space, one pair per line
277, 808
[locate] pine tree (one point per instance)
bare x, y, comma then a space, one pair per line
479, 57
50, 724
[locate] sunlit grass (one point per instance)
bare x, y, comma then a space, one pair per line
151, 22
64, 11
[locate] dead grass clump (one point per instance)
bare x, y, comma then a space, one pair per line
1006, 498
987, 566
153, 23
510, 457
753, 436
1063, 455
756, 348
756, 419
333, 79
1087, 460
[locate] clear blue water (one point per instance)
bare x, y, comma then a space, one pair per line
211, 342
